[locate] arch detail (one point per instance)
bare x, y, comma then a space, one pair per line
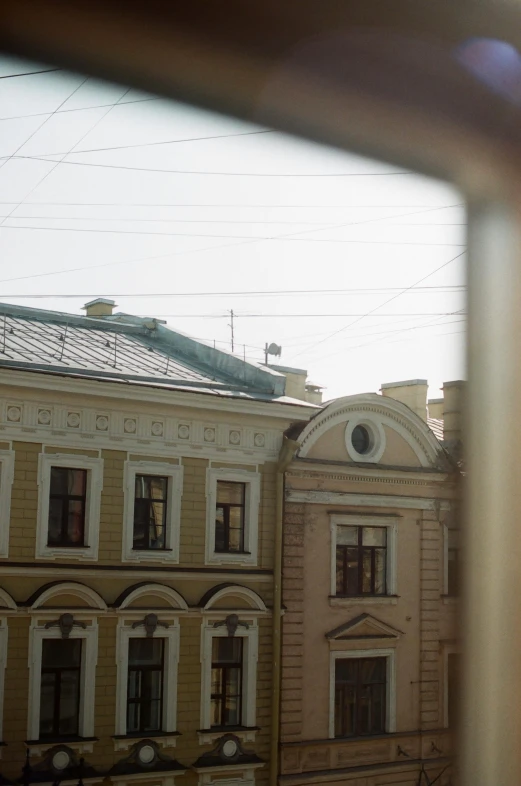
88, 595
231, 590
173, 598
6, 601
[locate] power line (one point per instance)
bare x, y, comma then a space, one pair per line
83, 108
232, 237
222, 174
248, 293
168, 142
31, 73
241, 205
385, 303
297, 316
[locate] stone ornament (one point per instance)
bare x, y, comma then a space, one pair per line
61, 759
73, 419
259, 440
150, 622
157, 429
183, 431
235, 437
14, 414
102, 423
130, 425
209, 435
65, 623
232, 623
44, 417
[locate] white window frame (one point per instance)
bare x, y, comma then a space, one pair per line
357, 520
6, 481
446, 530
89, 660
94, 468
174, 473
250, 638
251, 515
376, 436
390, 687
125, 632
4, 632
448, 649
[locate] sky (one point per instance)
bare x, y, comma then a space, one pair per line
355, 268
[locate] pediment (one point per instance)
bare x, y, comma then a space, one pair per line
364, 626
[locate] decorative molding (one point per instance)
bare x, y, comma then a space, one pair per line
65, 623
352, 520
162, 434
350, 631
231, 623
7, 458
235, 590
173, 598
74, 588
392, 476
366, 500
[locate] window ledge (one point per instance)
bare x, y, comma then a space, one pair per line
78, 744
231, 557
449, 600
166, 739
151, 555
72, 552
356, 600
244, 733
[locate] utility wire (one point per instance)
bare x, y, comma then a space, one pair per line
223, 174
195, 250
250, 293
31, 73
83, 108
428, 209
385, 303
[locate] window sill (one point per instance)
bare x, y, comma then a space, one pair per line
356, 600
78, 744
72, 552
151, 555
244, 733
231, 557
166, 739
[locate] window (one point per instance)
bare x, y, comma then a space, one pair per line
3, 657
145, 684
150, 502
361, 558
453, 564
229, 516
364, 438
232, 516
152, 514
360, 688
6, 481
60, 687
226, 697
67, 505
452, 691
62, 676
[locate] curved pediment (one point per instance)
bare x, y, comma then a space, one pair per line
371, 429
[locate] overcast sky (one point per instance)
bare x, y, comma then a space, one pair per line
109, 192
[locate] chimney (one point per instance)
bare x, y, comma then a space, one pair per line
412, 392
313, 393
435, 407
101, 307
453, 404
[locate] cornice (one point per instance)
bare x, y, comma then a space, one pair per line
389, 477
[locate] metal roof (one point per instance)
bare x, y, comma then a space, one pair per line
127, 348
436, 426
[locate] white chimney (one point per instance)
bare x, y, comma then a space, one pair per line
101, 307
412, 392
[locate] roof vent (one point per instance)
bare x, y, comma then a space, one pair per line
101, 307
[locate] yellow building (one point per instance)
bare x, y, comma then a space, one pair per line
138, 474
369, 582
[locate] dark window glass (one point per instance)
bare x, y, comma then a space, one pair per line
453, 668
229, 516
67, 503
150, 503
361, 440
145, 685
226, 690
360, 687
361, 559
60, 687
453, 567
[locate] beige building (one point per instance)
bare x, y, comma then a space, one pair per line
138, 506
369, 579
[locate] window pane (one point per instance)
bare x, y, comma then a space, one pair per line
345, 710
61, 653
374, 536
133, 717
345, 670
227, 649
77, 482
367, 557
372, 669
47, 704
75, 522
59, 483
152, 684
145, 652
453, 538
151, 487
379, 578
231, 711
230, 493
220, 530
347, 536
69, 702
235, 537
55, 521
140, 524
134, 684
215, 712
151, 716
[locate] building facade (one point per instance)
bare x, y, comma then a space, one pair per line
138, 473
369, 579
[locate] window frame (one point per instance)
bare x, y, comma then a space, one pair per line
89, 634
57, 687
94, 468
171, 636
4, 638
69, 497
250, 653
142, 669
446, 549
390, 687
174, 474
7, 459
360, 547
226, 506
224, 667
358, 685
252, 480
361, 520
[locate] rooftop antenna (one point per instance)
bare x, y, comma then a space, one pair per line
272, 349
230, 325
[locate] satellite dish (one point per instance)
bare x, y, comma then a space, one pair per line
274, 349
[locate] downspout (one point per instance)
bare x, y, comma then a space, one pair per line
287, 452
